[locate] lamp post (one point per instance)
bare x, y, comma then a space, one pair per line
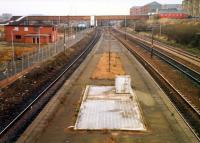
55, 42
152, 41
38, 40
109, 54
160, 29
134, 26
68, 31
13, 53
125, 27
64, 38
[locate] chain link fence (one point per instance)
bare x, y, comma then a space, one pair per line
10, 68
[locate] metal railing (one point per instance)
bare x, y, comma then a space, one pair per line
10, 68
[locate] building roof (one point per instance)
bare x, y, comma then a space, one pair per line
30, 25
171, 6
153, 3
136, 7
170, 11
44, 20
13, 18
4, 23
36, 35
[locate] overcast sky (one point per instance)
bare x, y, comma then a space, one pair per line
73, 7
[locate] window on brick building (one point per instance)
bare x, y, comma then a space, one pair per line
25, 28
18, 36
16, 29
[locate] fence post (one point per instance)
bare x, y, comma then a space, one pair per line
28, 60
14, 68
49, 50
22, 63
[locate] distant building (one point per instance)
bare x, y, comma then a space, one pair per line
6, 16
192, 7
1, 32
151, 8
34, 34
163, 11
166, 13
1, 19
172, 6
147, 9
135, 10
172, 11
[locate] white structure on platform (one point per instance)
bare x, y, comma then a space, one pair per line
103, 108
123, 84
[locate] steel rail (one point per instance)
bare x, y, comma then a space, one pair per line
169, 47
194, 75
178, 109
91, 44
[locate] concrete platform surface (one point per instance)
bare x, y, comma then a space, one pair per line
163, 123
103, 109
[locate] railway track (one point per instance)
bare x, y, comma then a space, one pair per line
171, 48
192, 61
189, 114
16, 126
194, 75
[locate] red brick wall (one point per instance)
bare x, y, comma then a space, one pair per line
31, 30
43, 40
135, 11
173, 15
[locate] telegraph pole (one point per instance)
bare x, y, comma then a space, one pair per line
68, 29
160, 29
39, 40
64, 38
152, 40
125, 27
109, 56
134, 26
54, 43
13, 49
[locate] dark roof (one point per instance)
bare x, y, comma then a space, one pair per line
3, 23
35, 25
13, 18
170, 11
153, 3
136, 7
43, 20
36, 35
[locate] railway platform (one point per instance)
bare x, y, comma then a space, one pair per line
56, 121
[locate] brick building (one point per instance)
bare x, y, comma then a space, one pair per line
172, 6
146, 9
34, 34
172, 15
192, 7
135, 10
163, 11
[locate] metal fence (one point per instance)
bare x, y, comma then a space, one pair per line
10, 68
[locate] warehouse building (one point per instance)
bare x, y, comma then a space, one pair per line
135, 10
163, 11
192, 7
146, 9
34, 34
172, 6
172, 14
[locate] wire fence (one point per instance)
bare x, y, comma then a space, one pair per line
10, 68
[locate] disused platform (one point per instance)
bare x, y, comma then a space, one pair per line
55, 122
103, 109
